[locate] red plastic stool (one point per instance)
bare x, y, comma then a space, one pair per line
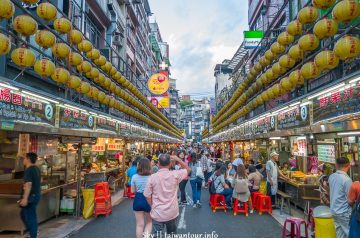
218, 202
254, 197
128, 193
264, 204
310, 220
295, 228
243, 208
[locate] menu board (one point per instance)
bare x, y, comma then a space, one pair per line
265, 125
16, 107
297, 117
125, 128
337, 103
326, 153
106, 124
114, 146
74, 119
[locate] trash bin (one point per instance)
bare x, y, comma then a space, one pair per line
324, 223
89, 197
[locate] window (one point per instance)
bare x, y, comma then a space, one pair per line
92, 32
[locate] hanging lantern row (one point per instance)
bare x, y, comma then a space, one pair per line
346, 48
25, 58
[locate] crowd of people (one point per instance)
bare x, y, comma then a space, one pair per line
159, 182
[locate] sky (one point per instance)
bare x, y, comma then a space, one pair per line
200, 34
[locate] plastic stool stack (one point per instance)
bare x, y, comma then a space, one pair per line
128, 193
102, 199
263, 204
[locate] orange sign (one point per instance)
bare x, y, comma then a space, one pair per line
158, 84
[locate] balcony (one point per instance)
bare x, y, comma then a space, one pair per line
131, 37
253, 8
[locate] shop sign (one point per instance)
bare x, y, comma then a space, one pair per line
15, 107
294, 118
106, 124
265, 125
124, 128
160, 101
98, 148
158, 84
114, 146
75, 119
326, 153
24, 144
337, 103
252, 39
249, 129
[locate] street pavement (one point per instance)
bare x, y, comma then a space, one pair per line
195, 221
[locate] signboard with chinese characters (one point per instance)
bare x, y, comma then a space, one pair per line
337, 103
124, 128
74, 119
248, 129
15, 107
160, 101
114, 146
297, 117
100, 145
106, 124
158, 84
265, 125
326, 152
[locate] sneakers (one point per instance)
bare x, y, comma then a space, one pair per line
195, 206
251, 211
183, 203
198, 204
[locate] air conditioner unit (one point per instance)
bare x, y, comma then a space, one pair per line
117, 40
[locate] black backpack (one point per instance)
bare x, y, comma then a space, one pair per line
212, 189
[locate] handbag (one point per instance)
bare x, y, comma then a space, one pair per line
199, 172
241, 186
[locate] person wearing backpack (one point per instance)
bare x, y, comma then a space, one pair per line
219, 185
240, 184
196, 179
354, 201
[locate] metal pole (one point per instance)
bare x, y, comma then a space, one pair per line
78, 184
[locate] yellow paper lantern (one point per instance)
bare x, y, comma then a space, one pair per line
112, 102
44, 67
100, 79
100, 61
253, 71
258, 67
348, 47
294, 28
94, 92
326, 60
101, 96
296, 53
94, 73
45, 39
325, 28
264, 61
276, 48
7, 9
61, 50
84, 67
23, 57
323, 4
264, 96
285, 38
74, 82
25, 25
84, 87
259, 83
85, 46
264, 79
5, 44
310, 70
286, 61
106, 100
112, 87
269, 55
277, 69
269, 74
75, 37
75, 59
286, 85
93, 54
276, 90
117, 76
107, 83
62, 25
346, 11
106, 67
308, 15
296, 77
61, 75
113, 71
46, 11
309, 42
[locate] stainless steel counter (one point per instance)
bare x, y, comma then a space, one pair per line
47, 208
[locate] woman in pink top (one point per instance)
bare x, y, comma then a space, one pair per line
254, 179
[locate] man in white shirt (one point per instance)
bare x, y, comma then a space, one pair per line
273, 172
237, 162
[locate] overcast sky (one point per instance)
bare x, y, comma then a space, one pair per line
200, 33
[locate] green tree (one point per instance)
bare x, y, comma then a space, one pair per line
183, 104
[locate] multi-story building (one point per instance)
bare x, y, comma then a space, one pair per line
222, 82
174, 103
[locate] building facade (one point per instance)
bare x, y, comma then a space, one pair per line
222, 75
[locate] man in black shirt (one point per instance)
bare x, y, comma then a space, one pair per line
31, 194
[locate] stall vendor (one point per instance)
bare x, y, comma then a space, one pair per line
273, 172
